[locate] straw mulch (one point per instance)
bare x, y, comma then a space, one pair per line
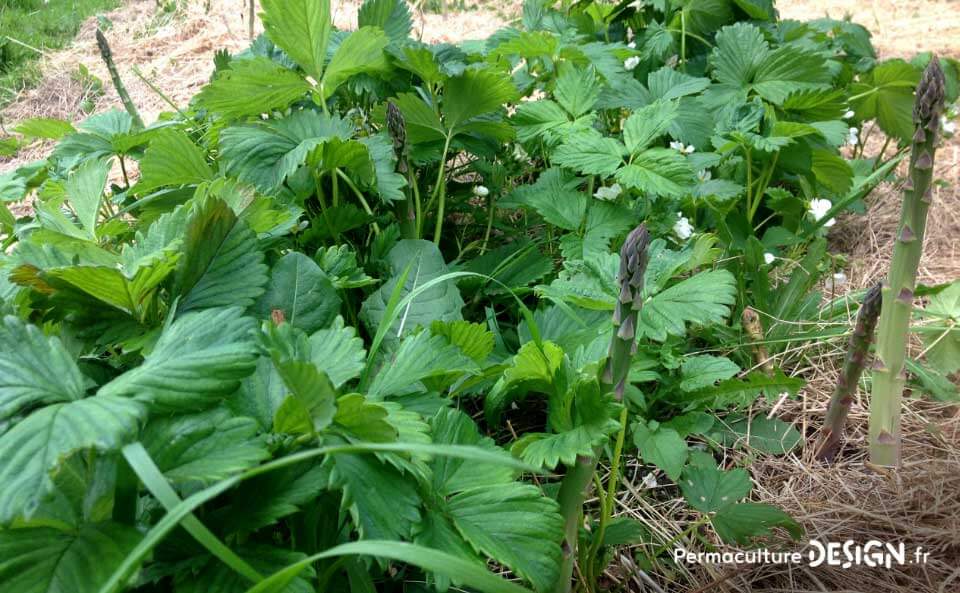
918, 505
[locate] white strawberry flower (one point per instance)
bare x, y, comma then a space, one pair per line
949, 127
852, 138
704, 175
631, 62
312, 81
819, 208
680, 147
682, 228
608, 193
769, 258
481, 191
849, 114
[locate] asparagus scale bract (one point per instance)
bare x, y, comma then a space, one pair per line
831, 435
888, 375
623, 344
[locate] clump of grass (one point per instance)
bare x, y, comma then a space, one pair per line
31, 28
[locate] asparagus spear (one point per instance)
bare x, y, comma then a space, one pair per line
623, 344
107, 56
406, 211
754, 329
831, 435
888, 377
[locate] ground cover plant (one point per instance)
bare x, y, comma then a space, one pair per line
371, 314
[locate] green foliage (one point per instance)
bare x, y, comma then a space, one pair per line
252, 338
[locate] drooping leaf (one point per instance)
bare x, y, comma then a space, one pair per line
418, 357
361, 51
383, 503
393, 16
222, 264
251, 87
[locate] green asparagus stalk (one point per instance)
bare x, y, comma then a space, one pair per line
751, 324
623, 344
888, 376
406, 210
107, 56
831, 435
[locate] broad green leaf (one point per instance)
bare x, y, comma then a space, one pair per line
770, 435
266, 153
36, 446
886, 94
473, 339
34, 369
700, 299
204, 447
339, 262
84, 189
301, 28
441, 302
312, 403
382, 502
222, 264
338, 352
740, 393
690, 423
647, 124
658, 171
46, 560
590, 153
473, 93
577, 89
740, 50
942, 339
260, 395
514, 524
555, 197
532, 368
668, 83
48, 128
361, 51
709, 489
418, 357
302, 292
199, 359
789, 69
264, 500
739, 523
251, 87
393, 16
702, 371
663, 447
172, 159
451, 475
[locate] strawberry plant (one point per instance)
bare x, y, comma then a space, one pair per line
369, 313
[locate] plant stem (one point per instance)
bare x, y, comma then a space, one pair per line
831, 435
491, 211
573, 491
107, 56
441, 190
888, 377
356, 191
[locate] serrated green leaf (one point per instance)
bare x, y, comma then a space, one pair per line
222, 264
200, 358
361, 51
301, 28
473, 339
251, 87
577, 89
769, 435
886, 94
647, 124
393, 16
702, 371
46, 560
204, 447
741, 522
172, 159
36, 446
381, 501
338, 352
942, 341
700, 299
34, 369
302, 292
663, 447
658, 171
590, 153
709, 489
84, 188
419, 357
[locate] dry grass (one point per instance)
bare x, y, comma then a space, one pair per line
919, 505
